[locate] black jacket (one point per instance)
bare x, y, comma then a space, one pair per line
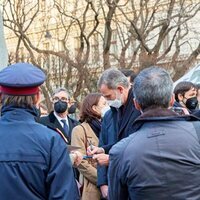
52, 122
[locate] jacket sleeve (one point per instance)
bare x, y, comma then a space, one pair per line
102, 170
85, 168
60, 178
117, 172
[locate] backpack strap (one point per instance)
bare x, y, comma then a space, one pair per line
196, 125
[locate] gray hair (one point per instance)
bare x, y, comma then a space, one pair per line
61, 89
153, 88
112, 78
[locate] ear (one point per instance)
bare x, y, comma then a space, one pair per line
120, 88
180, 97
94, 107
172, 100
137, 105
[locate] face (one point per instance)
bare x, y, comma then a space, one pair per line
62, 95
60, 101
102, 104
112, 94
198, 95
190, 93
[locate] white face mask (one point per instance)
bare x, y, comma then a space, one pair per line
104, 110
116, 103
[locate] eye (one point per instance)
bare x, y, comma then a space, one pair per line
64, 99
55, 99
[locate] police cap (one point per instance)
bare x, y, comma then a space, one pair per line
21, 79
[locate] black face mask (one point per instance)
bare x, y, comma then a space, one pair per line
191, 103
72, 109
60, 106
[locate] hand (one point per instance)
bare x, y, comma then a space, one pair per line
91, 150
104, 191
102, 159
77, 158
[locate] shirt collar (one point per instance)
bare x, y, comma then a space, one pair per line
59, 118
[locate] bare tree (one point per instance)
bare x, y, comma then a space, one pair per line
160, 30
73, 41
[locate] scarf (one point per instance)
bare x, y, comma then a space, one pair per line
96, 126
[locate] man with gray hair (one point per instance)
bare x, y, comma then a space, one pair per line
161, 160
58, 118
117, 122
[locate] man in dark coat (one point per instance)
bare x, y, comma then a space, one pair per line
161, 160
117, 122
34, 160
58, 118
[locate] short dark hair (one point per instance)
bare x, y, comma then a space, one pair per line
182, 88
128, 73
197, 86
86, 112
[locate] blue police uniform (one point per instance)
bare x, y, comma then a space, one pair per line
34, 163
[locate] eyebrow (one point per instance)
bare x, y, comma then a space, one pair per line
107, 96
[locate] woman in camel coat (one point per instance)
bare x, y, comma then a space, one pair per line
86, 134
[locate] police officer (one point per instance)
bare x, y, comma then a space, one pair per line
34, 163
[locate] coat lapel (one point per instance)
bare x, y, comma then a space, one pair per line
55, 123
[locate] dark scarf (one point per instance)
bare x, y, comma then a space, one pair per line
96, 126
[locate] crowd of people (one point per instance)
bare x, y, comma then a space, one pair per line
137, 137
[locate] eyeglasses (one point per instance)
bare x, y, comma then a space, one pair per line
56, 99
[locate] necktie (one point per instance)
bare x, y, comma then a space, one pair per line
65, 127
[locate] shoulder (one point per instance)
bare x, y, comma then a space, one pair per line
43, 119
79, 129
121, 146
46, 133
47, 119
108, 116
73, 121
82, 127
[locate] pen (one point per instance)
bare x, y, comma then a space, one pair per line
91, 147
